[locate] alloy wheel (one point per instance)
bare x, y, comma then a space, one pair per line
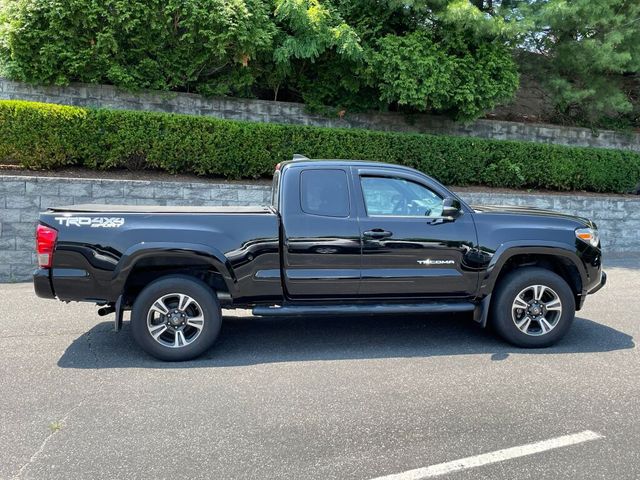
175, 320
536, 310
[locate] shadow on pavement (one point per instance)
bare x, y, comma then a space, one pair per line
249, 341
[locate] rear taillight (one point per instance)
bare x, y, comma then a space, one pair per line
45, 243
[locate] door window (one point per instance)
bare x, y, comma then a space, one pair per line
324, 192
388, 196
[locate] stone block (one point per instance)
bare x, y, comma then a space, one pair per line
139, 191
181, 202
196, 193
616, 215
198, 185
10, 214
22, 273
251, 197
84, 200
42, 188
116, 201
545, 203
214, 203
633, 209
18, 229
12, 187
77, 189
47, 201
107, 92
26, 243
16, 257
8, 243
172, 192
22, 201
224, 194
29, 215
104, 190
5, 273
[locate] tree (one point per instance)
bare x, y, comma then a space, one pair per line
588, 55
428, 56
307, 32
452, 76
441, 56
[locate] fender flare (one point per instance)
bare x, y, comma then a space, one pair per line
510, 249
203, 253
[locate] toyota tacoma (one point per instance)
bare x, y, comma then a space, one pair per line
339, 238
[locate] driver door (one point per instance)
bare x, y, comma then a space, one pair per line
408, 249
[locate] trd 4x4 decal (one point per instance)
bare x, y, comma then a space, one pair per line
106, 222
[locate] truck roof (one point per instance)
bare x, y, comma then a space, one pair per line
300, 160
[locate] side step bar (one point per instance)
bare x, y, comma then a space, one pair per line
359, 309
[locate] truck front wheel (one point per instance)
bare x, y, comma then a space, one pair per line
176, 318
532, 307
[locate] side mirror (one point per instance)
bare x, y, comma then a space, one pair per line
451, 208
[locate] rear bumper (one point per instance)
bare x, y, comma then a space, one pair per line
42, 283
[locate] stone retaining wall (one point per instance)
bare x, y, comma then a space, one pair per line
294, 113
23, 197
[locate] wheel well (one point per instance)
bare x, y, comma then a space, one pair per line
560, 265
147, 270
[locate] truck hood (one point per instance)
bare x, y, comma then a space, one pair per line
531, 211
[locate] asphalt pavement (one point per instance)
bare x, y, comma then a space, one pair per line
319, 398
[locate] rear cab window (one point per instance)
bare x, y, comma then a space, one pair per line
325, 192
275, 191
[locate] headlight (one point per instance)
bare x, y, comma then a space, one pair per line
588, 235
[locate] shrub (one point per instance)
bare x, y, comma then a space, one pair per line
157, 44
38, 135
43, 136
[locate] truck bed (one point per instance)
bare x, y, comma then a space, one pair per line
97, 247
100, 208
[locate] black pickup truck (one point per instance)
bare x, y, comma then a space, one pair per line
340, 237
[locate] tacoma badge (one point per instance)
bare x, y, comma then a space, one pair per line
428, 261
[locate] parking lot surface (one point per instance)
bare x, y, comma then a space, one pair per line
319, 398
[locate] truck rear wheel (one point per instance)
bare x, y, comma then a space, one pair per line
176, 318
532, 307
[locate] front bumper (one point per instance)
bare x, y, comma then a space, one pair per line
592, 288
603, 281
42, 283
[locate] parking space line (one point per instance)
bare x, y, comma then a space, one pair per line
493, 457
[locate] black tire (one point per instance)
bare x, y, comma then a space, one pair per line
503, 314
205, 300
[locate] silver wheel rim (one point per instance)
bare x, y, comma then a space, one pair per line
175, 320
536, 310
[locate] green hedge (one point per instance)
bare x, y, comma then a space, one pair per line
44, 136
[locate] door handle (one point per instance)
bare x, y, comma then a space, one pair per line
377, 233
